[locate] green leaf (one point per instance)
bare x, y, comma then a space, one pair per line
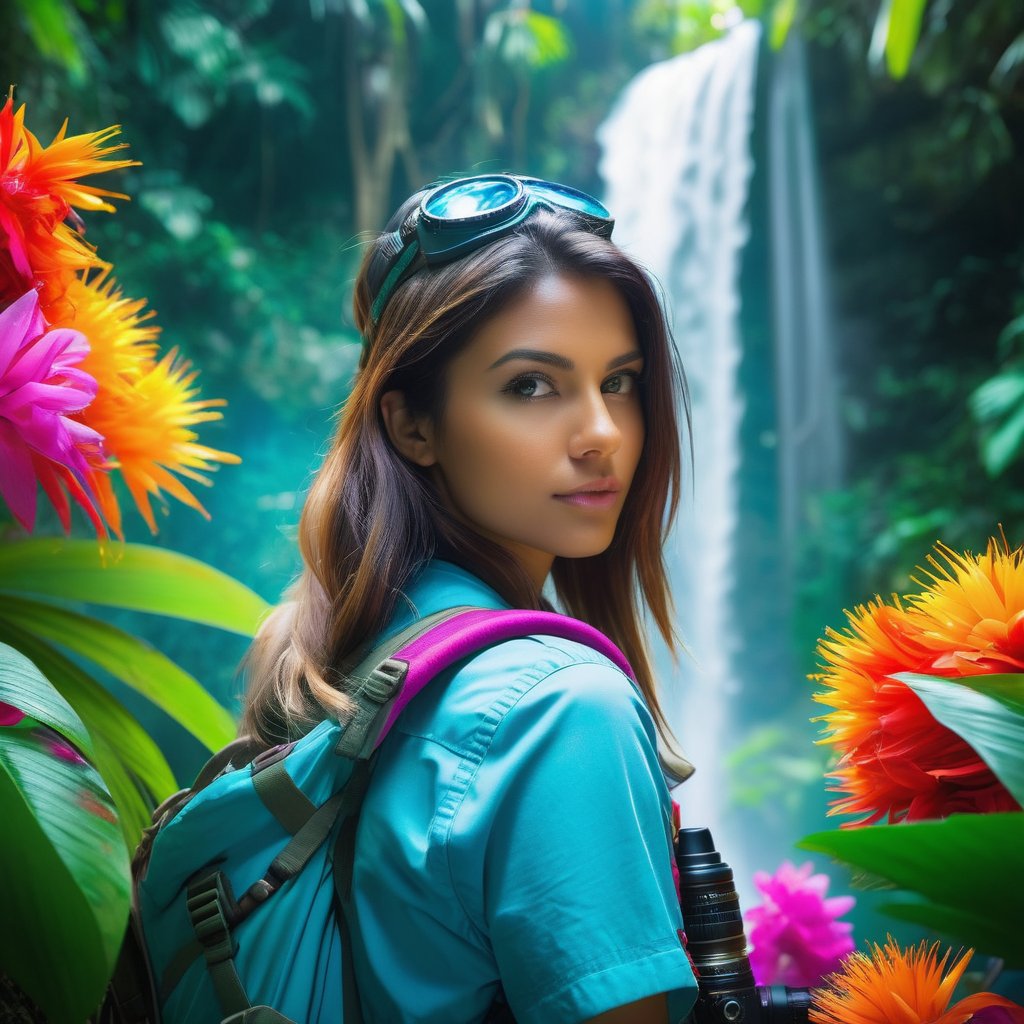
19, 687
551, 44
63, 859
985, 711
49, 23
129, 659
904, 30
965, 871
985, 932
1005, 444
782, 17
135, 576
130, 762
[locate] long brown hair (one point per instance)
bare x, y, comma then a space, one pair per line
372, 519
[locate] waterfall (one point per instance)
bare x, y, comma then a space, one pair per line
810, 450
677, 166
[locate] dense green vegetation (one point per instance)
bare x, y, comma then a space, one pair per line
274, 136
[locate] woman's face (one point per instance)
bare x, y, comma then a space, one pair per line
543, 425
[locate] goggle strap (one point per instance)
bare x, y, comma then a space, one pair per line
394, 275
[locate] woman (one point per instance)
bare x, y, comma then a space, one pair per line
513, 424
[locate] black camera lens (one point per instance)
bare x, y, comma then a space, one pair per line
712, 918
717, 943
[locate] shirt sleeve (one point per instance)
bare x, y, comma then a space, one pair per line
562, 848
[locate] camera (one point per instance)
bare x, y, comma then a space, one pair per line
717, 944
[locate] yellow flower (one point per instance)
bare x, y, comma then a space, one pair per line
147, 425
971, 616
894, 986
122, 338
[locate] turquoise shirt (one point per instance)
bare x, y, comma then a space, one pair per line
517, 831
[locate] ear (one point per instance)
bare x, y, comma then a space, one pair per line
411, 436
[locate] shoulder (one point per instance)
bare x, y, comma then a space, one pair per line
514, 680
565, 678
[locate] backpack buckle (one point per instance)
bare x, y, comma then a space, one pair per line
266, 758
371, 696
209, 903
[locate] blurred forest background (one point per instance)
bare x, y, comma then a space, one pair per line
274, 136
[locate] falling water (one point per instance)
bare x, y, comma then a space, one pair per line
810, 455
677, 166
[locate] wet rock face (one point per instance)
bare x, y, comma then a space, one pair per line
15, 1006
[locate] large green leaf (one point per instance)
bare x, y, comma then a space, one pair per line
21, 689
781, 21
987, 712
129, 659
135, 576
63, 860
897, 30
50, 23
985, 932
130, 762
965, 872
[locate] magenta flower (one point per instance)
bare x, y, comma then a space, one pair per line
40, 388
9, 714
795, 937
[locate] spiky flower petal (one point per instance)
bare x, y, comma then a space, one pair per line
896, 761
148, 432
39, 190
41, 387
894, 986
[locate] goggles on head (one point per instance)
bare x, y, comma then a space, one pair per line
459, 216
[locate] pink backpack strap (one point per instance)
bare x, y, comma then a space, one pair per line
388, 686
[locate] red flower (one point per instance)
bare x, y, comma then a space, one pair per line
896, 761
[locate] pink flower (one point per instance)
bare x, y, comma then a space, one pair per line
40, 388
9, 714
795, 936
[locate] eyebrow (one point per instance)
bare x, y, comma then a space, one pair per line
537, 355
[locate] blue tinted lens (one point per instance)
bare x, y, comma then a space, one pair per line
562, 195
471, 198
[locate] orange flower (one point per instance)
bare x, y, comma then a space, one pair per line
896, 761
122, 338
894, 986
39, 191
146, 424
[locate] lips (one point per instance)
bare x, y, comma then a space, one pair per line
601, 493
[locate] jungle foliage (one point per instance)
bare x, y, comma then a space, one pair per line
274, 136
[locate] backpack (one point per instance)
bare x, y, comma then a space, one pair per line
242, 883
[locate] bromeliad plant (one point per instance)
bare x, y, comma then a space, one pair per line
83, 390
927, 719
85, 395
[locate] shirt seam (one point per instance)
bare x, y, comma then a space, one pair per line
483, 736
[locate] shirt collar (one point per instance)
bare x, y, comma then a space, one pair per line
441, 585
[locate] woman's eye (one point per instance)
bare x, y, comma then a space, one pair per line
530, 386
621, 383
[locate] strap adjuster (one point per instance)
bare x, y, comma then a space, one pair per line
371, 696
209, 904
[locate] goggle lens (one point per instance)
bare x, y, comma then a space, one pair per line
465, 199
563, 195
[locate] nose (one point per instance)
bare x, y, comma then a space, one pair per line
596, 432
